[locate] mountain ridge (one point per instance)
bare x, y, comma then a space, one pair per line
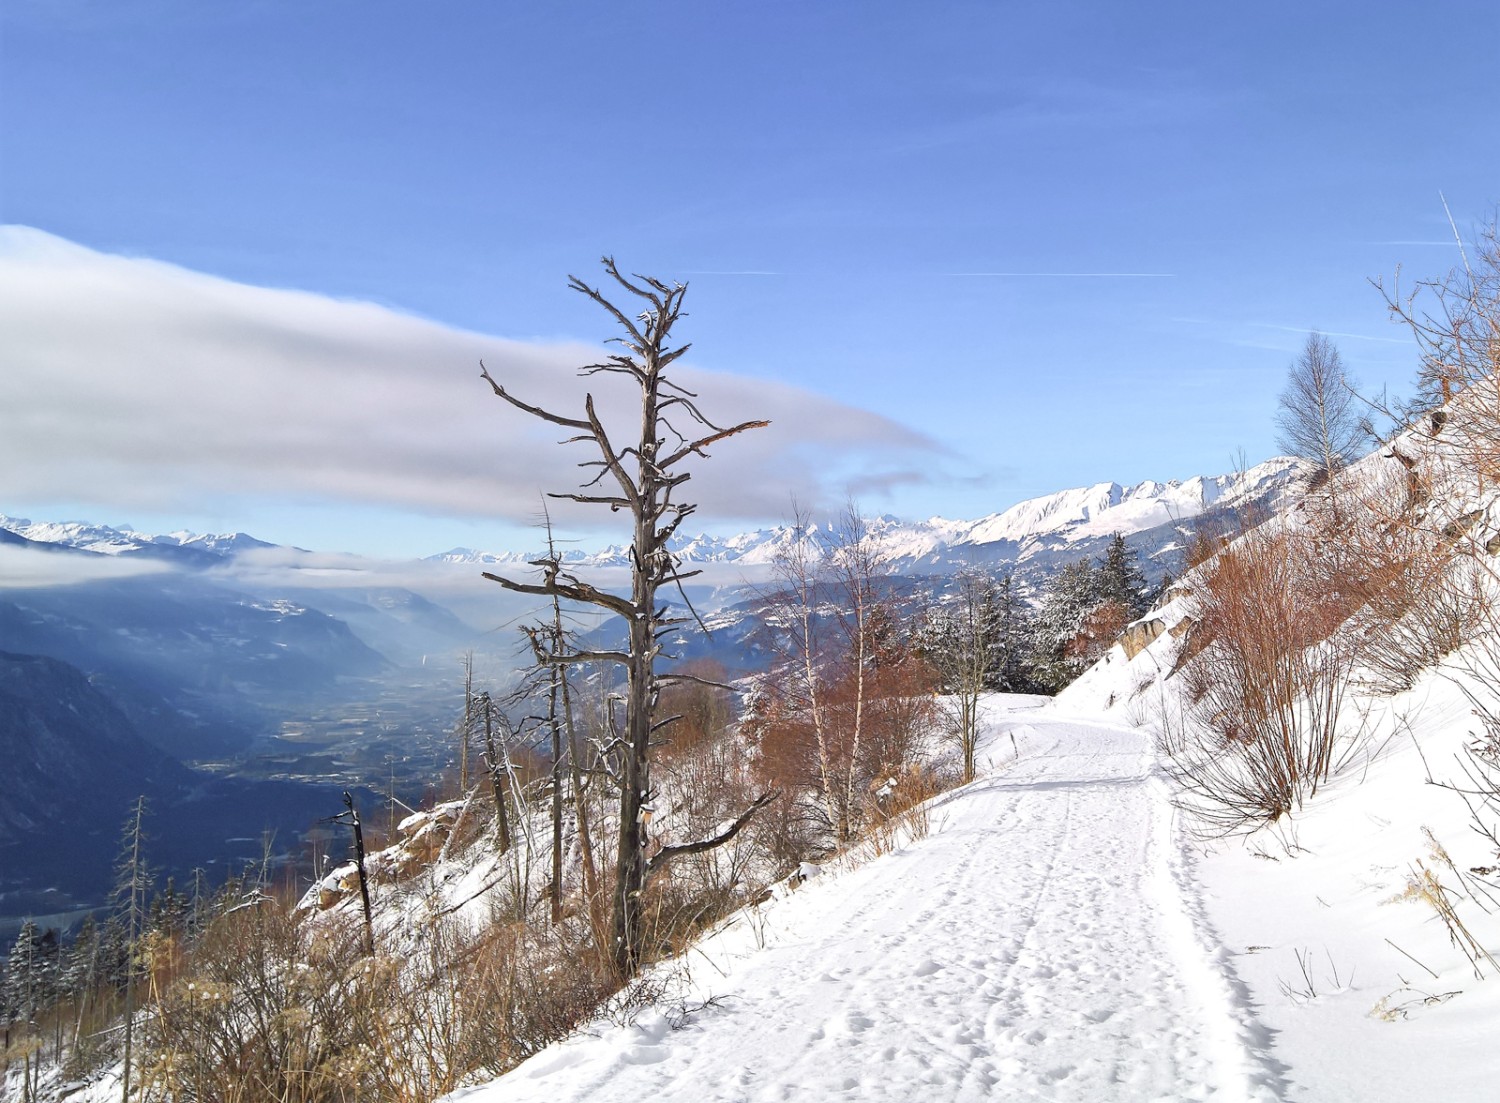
1076, 516
1073, 515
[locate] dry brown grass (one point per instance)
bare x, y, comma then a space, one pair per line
270, 1008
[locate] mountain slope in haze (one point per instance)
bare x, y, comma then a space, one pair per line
219, 658
75, 764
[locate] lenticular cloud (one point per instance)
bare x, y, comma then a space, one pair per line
138, 384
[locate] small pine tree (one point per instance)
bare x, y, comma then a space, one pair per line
1072, 594
1009, 625
18, 987
1120, 578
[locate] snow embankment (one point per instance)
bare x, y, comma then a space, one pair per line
1364, 990
1041, 942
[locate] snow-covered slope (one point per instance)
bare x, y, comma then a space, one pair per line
1367, 991
1068, 932
1044, 942
1062, 935
1364, 993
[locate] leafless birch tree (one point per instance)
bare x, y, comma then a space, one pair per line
1319, 417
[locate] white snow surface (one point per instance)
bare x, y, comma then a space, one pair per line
1044, 941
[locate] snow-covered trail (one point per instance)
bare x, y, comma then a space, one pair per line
1039, 944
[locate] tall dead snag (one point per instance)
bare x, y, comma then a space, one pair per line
640, 478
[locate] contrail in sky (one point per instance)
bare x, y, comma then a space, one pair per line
1088, 275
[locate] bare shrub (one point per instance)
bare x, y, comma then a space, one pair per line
1267, 686
1455, 319
1421, 594
901, 811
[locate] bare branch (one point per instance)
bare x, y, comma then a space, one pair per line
534, 411
667, 853
692, 679
697, 446
576, 591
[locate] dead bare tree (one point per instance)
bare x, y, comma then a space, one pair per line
640, 478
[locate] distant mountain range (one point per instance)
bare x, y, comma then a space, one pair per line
1033, 533
1030, 541
1036, 527
186, 548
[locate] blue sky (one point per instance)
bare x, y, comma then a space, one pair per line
1019, 247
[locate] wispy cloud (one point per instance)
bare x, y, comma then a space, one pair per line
1075, 275
1304, 330
22, 567
134, 384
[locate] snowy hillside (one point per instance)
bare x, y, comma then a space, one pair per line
1362, 926
1063, 928
1071, 930
1045, 941
1060, 935
1362, 993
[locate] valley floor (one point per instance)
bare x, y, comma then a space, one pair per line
1043, 941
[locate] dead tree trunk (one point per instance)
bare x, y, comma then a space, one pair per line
494, 766
350, 816
640, 478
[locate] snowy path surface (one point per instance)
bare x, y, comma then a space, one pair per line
1041, 943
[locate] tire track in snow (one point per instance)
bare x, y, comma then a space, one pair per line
1042, 943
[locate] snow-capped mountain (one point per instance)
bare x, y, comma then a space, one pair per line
1066, 521
106, 540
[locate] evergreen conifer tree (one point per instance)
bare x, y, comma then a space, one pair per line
1073, 593
1121, 579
